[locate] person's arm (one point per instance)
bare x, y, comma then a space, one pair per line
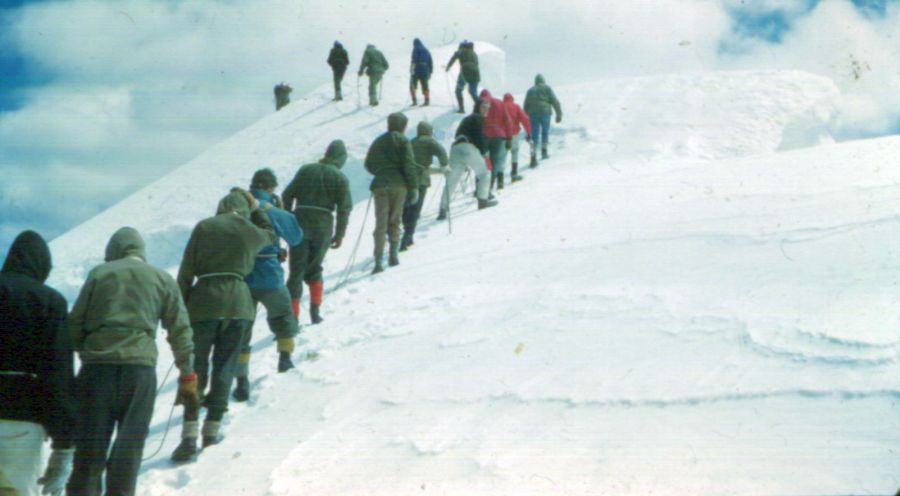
332, 58
57, 377
430, 62
369, 162
363, 63
386, 65
186, 270
176, 322
289, 195
556, 106
410, 168
453, 60
438, 151
77, 319
344, 203
526, 121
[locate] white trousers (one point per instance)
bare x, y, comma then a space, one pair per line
466, 156
21, 457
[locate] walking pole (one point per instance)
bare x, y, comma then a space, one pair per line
449, 217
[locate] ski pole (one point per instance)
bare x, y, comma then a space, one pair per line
449, 216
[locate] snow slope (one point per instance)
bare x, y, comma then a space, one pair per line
669, 305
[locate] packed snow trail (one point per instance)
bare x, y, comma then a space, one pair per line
665, 306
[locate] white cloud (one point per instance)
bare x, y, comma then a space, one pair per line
142, 86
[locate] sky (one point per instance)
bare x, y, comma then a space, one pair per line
101, 97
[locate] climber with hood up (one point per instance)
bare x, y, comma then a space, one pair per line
37, 384
318, 190
113, 325
219, 255
390, 159
425, 149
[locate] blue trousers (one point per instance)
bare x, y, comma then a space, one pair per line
461, 83
540, 129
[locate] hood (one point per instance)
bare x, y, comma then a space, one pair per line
29, 255
126, 242
539, 79
234, 202
424, 129
397, 122
508, 98
485, 95
337, 44
418, 43
370, 47
335, 154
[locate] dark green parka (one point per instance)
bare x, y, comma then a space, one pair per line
390, 158
468, 62
425, 150
373, 62
317, 190
219, 255
540, 99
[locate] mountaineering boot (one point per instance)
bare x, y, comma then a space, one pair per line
427, 98
285, 347
486, 203
534, 162
295, 306
405, 242
500, 179
379, 265
211, 434
284, 361
394, 258
314, 316
316, 293
544, 155
186, 451
462, 107
442, 214
514, 175
241, 391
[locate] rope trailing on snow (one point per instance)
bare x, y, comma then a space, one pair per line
346, 273
168, 422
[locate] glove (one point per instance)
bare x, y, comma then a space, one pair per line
187, 392
59, 468
558, 118
282, 255
412, 197
509, 144
336, 243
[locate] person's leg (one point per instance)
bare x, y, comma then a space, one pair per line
482, 179
473, 90
137, 392
413, 79
282, 323
299, 265
460, 85
395, 212
382, 215
426, 92
97, 397
228, 337
21, 445
204, 337
338, 77
545, 134
415, 213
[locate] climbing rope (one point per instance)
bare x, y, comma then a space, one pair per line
346, 272
169, 421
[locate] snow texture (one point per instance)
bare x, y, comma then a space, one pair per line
696, 294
